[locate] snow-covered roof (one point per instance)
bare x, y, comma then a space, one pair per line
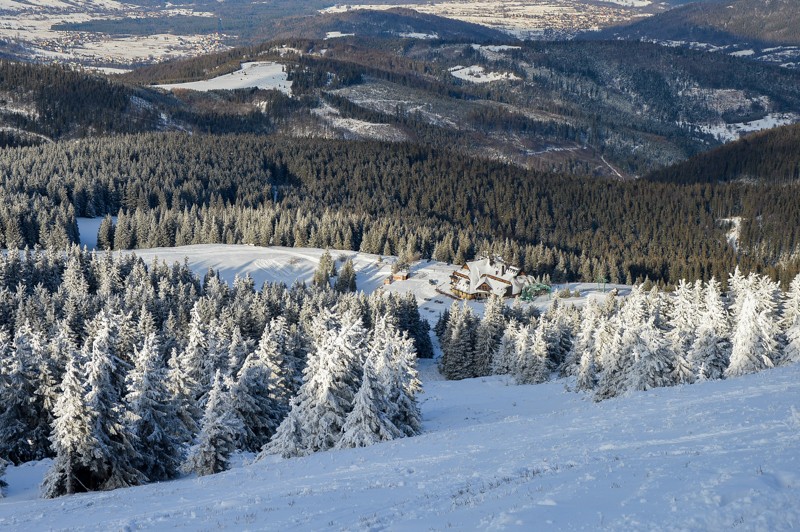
488, 276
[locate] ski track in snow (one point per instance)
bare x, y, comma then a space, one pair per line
710, 456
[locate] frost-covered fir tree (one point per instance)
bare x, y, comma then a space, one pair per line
683, 319
332, 378
256, 402
182, 388
534, 364
94, 449
580, 357
369, 421
488, 335
753, 341
346, 280
621, 335
652, 359
791, 322
458, 359
394, 360
710, 351
506, 355
19, 410
219, 431
153, 414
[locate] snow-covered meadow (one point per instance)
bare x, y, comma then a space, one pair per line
258, 74
711, 456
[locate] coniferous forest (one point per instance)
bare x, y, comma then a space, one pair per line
127, 374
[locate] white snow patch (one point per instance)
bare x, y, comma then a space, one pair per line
337, 34
731, 132
717, 455
742, 53
414, 35
258, 74
733, 234
477, 74
360, 128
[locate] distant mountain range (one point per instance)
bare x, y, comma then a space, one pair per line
720, 23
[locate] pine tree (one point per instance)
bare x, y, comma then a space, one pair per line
346, 280
753, 343
368, 422
153, 414
458, 360
73, 437
394, 361
488, 335
218, 434
506, 355
652, 357
324, 271
256, 403
533, 366
332, 378
791, 322
23, 437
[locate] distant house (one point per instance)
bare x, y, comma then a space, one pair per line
401, 275
487, 276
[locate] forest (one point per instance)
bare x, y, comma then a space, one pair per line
393, 199
646, 340
126, 373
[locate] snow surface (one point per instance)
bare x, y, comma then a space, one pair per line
717, 455
477, 74
337, 34
258, 74
730, 132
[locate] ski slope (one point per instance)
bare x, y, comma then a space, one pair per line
719, 455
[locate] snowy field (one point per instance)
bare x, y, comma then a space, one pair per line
477, 74
720, 455
731, 132
261, 75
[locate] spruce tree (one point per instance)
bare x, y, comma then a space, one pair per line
791, 322
488, 335
220, 429
369, 421
153, 414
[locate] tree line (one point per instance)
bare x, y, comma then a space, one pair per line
173, 189
646, 340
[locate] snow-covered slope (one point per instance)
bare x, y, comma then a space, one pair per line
261, 75
712, 456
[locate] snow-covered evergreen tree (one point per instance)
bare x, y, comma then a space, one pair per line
332, 378
791, 322
394, 361
488, 335
534, 364
369, 421
458, 359
256, 402
683, 320
506, 355
153, 414
219, 432
652, 359
753, 341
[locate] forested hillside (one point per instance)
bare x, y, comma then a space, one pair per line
393, 198
769, 156
721, 22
